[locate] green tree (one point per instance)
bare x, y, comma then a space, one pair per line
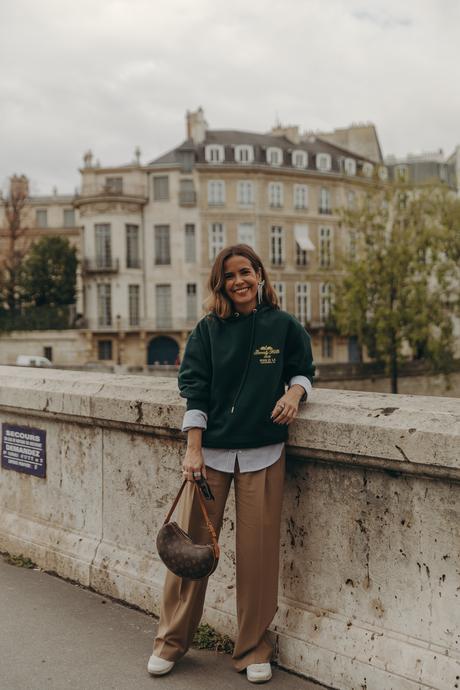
399, 286
48, 275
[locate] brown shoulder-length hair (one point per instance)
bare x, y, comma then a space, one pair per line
217, 301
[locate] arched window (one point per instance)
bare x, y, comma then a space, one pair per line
162, 350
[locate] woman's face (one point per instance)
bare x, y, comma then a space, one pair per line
241, 283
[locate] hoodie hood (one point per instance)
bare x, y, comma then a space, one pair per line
236, 316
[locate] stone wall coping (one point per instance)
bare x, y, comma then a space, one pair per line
396, 432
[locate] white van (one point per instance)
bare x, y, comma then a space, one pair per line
32, 361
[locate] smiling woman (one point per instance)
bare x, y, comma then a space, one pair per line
238, 280
237, 364
241, 281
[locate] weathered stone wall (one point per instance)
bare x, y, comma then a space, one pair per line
424, 384
370, 575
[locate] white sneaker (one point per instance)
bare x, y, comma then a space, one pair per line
158, 666
259, 673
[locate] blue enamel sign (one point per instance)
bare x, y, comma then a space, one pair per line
24, 449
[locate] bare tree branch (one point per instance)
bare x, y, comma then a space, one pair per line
16, 240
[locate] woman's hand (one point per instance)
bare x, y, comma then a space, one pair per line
193, 461
285, 410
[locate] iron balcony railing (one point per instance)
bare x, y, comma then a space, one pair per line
113, 190
115, 323
101, 265
133, 263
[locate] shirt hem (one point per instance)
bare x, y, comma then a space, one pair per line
246, 469
241, 444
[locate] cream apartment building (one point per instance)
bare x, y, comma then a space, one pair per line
139, 263
280, 193
150, 234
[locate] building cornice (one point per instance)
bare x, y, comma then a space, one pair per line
112, 169
262, 169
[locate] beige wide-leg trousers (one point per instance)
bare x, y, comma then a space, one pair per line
258, 498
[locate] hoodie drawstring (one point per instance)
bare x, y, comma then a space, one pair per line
248, 361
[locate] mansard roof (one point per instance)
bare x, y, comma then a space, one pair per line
230, 138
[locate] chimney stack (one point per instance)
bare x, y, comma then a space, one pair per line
196, 126
291, 132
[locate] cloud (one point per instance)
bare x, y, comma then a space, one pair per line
116, 74
382, 18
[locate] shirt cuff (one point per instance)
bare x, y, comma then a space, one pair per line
194, 419
304, 382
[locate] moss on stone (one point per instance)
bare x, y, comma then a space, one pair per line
19, 561
208, 638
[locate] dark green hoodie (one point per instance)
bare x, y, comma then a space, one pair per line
236, 369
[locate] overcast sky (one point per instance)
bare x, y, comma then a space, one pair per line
113, 74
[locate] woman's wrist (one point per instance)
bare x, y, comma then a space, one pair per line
194, 436
297, 390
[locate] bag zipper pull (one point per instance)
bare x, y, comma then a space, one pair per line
233, 407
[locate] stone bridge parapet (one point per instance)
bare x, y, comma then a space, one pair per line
370, 543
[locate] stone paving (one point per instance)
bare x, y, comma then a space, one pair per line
55, 635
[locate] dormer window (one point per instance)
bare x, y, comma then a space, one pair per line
274, 155
299, 159
323, 162
349, 166
244, 154
368, 169
214, 153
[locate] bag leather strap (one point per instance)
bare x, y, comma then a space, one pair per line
203, 510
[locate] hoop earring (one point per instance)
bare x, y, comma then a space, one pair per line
260, 291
